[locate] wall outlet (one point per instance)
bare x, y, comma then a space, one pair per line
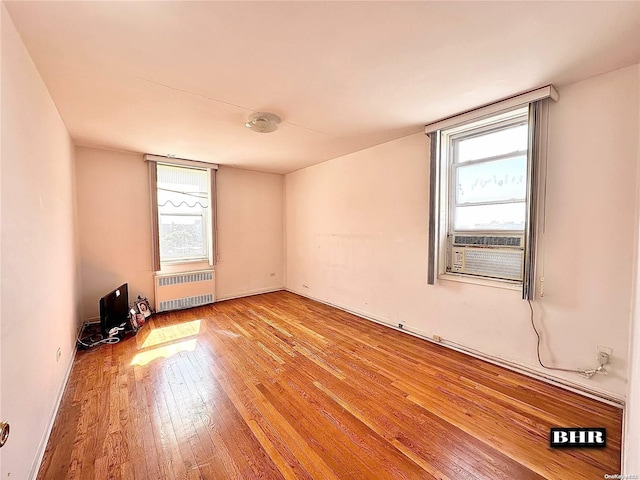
58, 354
400, 325
604, 355
437, 338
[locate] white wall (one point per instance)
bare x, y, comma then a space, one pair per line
632, 414
115, 228
357, 237
40, 310
114, 216
250, 233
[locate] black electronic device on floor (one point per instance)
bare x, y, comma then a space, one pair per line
114, 311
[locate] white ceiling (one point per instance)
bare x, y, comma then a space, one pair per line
181, 78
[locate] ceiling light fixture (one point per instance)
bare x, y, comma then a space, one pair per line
263, 122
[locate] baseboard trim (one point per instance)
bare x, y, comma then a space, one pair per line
595, 394
249, 293
45, 439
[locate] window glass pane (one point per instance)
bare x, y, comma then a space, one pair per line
181, 236
493, 181
183, 203
502, 216
501, 142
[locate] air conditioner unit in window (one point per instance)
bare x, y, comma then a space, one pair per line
493, 256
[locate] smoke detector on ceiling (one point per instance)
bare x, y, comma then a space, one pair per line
263, 122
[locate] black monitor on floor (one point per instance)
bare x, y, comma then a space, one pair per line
114, 309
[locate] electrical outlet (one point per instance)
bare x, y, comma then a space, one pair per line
58, 354
604, 355
400, 325
437, 338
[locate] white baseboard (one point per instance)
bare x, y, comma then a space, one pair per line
249, 293
594, 393
45, 439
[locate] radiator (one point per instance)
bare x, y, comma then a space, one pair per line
184, 290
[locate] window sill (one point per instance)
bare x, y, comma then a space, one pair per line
486, 282
184, 267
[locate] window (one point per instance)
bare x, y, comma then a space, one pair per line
183, 204
484, 168
184, 214
487, 167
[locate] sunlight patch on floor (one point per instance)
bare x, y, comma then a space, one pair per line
158, 336
165, 351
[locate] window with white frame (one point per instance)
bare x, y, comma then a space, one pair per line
487, 169
485, 182
184, 213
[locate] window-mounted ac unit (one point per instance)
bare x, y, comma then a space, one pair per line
494, 256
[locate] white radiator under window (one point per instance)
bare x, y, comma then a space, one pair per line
184, 290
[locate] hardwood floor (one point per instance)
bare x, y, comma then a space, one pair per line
278, 386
